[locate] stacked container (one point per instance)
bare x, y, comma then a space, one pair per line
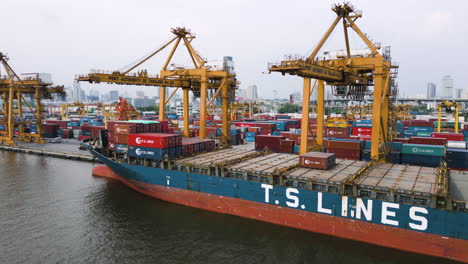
347, 149
155, 146
422, 155
457, 158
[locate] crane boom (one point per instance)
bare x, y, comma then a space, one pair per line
118, 78
308, 70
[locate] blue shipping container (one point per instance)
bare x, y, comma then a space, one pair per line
121, 148
148, 153
421, 160
250, 134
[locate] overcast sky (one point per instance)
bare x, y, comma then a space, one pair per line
428, 37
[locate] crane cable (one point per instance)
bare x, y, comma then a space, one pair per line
307, 54
144, 57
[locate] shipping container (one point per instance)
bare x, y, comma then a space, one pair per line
428, 141
346, 153
341, 144
120, 148
423, 150
421, 160
148, 153
154, 140
449, 136
338, 132
317, 160
125, 129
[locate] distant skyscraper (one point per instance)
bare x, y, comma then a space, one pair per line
113, 95
458, 93
77, 92
252, 92
431, 90
446, 87
242, 93
295, 98
140, 94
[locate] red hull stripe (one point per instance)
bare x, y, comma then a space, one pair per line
382, 235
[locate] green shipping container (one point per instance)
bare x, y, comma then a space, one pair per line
466, 138
428, 150
423, 134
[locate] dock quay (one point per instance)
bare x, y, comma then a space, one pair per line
67, 149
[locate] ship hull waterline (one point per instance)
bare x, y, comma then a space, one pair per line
386, 236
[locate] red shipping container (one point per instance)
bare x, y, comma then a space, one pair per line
317, 160
150, 140
125, 129
268, 139
244, 124
121, 139
421, 123
164, 126
339, 144
428, 141
95, 130
449, 136
346, 153
338, 132
402, 140
361, 131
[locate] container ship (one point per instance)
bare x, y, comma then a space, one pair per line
407, 207
376, 175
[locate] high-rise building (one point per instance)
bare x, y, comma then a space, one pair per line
295, 98
77, 92
140, 94
458, 93
251, 92
431, 90
113, 95
464, 94
242, 93
446, 87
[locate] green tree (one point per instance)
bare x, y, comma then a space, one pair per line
149, 108
288, 108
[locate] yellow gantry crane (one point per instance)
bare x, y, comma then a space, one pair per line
65, 109
449, 107
359, 112
402, 111
13, 93
199, 79
350, 76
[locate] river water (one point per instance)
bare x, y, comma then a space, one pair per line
53, 211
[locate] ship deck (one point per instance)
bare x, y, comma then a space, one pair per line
266, 164
336, 175
400, 177
217, 157
458, 185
